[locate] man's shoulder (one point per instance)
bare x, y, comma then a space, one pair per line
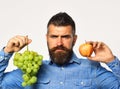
46, 61
85, 61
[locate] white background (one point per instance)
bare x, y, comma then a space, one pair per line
97, 20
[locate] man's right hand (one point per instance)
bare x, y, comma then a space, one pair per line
17, 43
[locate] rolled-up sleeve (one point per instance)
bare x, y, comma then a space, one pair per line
115, 67
4, 58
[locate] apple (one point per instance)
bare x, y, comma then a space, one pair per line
86, 49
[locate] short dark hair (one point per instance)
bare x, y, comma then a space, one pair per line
62, 19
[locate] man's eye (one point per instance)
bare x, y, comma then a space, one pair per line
53, 36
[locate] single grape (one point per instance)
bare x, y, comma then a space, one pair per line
24, 84
33, 79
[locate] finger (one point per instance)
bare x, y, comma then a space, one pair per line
13, 42
89, 42
18, 43
21, 41
100, 44
27, 40
93, 58
94, 44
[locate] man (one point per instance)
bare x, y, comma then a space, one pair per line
64, 70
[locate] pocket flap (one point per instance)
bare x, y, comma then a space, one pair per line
84, 82
44, 81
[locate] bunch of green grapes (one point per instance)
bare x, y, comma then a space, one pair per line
29, 62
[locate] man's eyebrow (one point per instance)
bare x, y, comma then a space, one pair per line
66, 35
53, 35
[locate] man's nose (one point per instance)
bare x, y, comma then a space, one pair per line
59, 41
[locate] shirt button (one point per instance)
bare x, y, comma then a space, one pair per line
62, 68
61, 82
1, 57
5, 58
82, 83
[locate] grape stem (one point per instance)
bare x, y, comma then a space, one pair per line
27, 47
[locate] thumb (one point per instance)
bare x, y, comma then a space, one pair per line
29, 41
92, 58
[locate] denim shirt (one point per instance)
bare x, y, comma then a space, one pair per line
77, 74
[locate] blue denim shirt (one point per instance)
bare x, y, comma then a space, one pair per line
77, 74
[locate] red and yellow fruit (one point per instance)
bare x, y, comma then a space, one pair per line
86, 49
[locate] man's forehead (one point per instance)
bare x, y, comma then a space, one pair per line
60, 29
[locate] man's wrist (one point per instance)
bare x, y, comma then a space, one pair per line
6, 50
114, 63
4, 55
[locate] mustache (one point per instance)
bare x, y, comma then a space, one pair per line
59, 47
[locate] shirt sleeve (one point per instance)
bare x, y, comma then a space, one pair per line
115, 67
4, 58
109, 79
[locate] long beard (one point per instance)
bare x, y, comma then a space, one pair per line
60, 57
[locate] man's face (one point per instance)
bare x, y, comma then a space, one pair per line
60, 41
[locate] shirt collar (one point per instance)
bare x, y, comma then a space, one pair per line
75, 59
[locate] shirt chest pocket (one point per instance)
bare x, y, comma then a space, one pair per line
44, 81
83, 83
42, 84
77, 84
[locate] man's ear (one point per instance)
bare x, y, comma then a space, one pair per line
74, 39
46, 36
